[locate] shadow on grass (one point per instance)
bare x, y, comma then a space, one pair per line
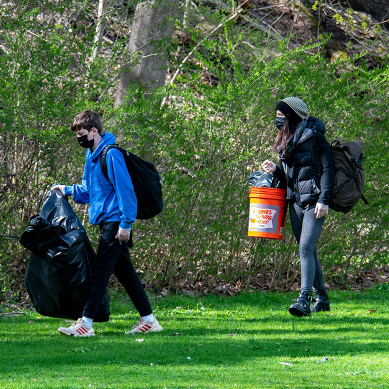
205, 346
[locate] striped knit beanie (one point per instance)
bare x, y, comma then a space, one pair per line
293, 108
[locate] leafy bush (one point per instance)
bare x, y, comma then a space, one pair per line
208, 140
204, 137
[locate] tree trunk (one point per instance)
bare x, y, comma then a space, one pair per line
99, 32
151, 32
379, 9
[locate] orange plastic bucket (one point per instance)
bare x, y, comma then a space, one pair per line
268, 208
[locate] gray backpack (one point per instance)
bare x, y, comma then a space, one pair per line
349, 174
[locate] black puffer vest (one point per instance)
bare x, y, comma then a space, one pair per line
301, 171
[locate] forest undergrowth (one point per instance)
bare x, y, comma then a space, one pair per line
206, 131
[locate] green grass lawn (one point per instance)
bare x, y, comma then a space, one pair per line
246, 341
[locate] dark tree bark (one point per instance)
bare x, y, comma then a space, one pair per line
151, 32
379, 9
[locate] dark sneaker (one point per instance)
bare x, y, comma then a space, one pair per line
301, 307
321, 303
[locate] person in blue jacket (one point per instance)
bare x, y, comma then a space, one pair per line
113, 207
309, 185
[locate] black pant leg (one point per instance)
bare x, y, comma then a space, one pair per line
126, 274
113, 256
102, 267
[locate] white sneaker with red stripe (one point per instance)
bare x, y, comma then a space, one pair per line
144, 326
78, 328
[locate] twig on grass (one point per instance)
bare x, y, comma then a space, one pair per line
10, 313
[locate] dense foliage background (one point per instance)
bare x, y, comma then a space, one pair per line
206, 131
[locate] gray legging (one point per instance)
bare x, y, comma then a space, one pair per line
307, 229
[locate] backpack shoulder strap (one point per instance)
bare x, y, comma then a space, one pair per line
314, 153
103, 159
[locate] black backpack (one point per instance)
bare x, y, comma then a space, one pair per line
145, 180
349, 174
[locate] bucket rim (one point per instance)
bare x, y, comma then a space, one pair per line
264, 189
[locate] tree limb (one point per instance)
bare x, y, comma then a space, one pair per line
98, 33
10, 236
221, 24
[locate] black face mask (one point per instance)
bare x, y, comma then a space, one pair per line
279, 123
84, 142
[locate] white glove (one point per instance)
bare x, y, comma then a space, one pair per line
321, 210
61, 188
269, 166
123, 235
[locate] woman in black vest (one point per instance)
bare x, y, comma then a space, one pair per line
309, 184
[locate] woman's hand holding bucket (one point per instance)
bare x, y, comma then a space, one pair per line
269, 166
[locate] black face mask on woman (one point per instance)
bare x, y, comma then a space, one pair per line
279, 123
85, 142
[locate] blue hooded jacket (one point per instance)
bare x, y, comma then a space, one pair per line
108, 202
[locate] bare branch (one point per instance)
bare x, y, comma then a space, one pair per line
221, 24
99, 32
10, 236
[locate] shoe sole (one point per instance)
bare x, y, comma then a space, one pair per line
140, 332
297, 312
76, 336
320, 310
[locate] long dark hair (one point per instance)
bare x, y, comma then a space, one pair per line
283, 137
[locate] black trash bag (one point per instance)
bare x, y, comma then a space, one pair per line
40, 234
58, 271
266, 180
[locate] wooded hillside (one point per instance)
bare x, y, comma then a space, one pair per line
192, 85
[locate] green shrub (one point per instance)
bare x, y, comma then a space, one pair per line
205, 140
